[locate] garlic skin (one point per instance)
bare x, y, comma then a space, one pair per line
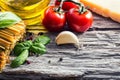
67, 37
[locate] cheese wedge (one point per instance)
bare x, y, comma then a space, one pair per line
106, 8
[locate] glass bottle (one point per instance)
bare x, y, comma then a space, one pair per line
31, 11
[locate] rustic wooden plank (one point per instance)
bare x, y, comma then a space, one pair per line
98, 58
102, 23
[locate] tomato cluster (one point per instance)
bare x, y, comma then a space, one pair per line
77, 17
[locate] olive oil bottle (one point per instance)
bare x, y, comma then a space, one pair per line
31, 11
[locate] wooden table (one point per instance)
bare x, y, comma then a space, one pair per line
97, 59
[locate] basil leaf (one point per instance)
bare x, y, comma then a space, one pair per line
5, 23
22, 46
7, 19
38, 48
40, 45
42, 39
20, 59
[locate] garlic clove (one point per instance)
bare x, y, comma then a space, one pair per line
67, 37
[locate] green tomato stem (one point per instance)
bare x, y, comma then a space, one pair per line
60, 6
82, 8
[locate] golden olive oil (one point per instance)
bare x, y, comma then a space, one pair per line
31, 11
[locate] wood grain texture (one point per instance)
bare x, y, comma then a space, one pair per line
97, 59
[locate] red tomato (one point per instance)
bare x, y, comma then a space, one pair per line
66, 5
79, 22
53, 20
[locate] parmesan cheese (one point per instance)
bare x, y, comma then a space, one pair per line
106, 8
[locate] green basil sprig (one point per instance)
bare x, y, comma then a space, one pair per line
39, 43
20, 59
8, 18
42, 39
22, 46
38, 46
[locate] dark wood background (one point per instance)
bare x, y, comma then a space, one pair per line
97, 59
